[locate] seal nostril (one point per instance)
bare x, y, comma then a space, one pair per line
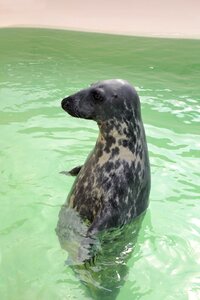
65, 103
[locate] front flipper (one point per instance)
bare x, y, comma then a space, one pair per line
72, 172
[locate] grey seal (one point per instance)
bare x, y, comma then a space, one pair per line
113, 185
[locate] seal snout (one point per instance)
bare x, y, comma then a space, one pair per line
69, 106
65, 103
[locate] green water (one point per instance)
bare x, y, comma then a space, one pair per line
38, 140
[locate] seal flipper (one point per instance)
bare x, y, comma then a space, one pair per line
72, 172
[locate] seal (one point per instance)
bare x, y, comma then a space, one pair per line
113, 185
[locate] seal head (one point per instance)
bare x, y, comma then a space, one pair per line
104, 101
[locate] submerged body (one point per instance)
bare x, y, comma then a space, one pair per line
113, 185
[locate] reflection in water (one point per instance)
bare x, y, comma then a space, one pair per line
99, 261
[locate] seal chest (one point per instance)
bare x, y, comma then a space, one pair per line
113, 185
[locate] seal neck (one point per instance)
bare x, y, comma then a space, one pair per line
117, 130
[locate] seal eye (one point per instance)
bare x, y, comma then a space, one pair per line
97, 95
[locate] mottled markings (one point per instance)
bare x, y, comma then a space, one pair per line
109, 142
115, 152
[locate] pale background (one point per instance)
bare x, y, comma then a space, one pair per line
174, 18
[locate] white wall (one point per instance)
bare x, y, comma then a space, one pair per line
138, 17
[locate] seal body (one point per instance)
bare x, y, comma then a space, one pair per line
113, 185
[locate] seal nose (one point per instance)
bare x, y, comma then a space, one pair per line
65, 103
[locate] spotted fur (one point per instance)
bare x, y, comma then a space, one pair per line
113, 185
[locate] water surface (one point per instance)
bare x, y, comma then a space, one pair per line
38, 140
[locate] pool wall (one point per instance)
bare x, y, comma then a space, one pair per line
172, 18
